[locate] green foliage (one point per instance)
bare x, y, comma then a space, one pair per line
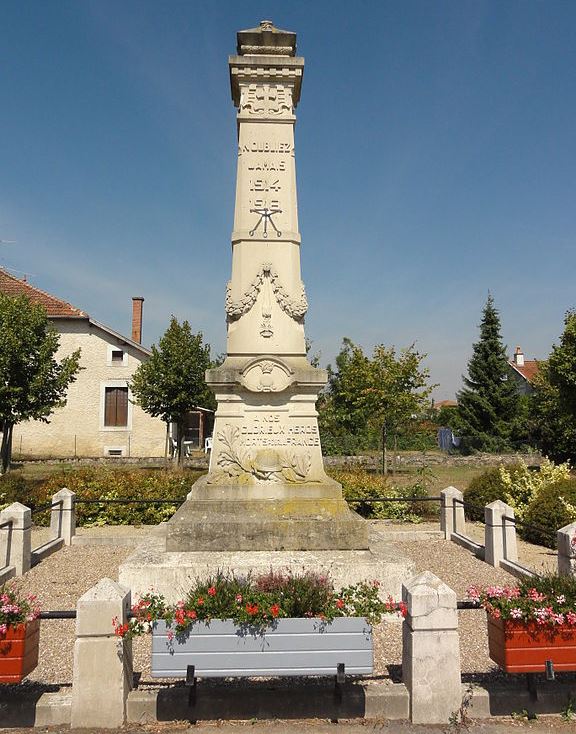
171, 382
259, 601
32, 382
359, 485
516, 484
553, 508
522, 485
483, 489
366, 393
93, 483
13, 488
488, 406
554, 399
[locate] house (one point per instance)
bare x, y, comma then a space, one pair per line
524, 372
99, 418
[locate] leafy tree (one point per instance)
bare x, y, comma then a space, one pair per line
382, 392
32, 381
171, 382
488, 406
554, 399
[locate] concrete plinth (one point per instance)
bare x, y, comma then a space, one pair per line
265, 517
172, 573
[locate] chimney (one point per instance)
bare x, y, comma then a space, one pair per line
519, 357
137, 302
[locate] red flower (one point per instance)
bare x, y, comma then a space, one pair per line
252, 609
274, 610
403, 609
191, 614
180, 616
340, 603
200, 601
212, 591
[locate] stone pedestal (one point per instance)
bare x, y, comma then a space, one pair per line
265, 517
172, 573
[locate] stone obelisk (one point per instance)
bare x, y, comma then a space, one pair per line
266, 488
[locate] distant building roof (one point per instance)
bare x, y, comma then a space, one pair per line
528, 370
445, 404
55, 307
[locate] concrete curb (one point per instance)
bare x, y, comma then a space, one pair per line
266, 700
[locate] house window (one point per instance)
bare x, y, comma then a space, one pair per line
116, 407
117, 356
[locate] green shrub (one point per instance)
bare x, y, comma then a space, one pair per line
93, 483
482, 490
554, 507
102, 482
13, 488
360, 485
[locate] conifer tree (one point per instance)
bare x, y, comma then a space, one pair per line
489, 403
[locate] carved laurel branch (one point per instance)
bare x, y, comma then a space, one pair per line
296, 307
235, 462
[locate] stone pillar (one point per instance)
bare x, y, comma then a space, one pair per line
452, 513
16, 543
431, 650
102, 662
567, 551
499, 534
63, 516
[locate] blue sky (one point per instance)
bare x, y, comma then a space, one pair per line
435, 149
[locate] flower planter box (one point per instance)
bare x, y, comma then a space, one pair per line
518, 648
19, 651
289, 647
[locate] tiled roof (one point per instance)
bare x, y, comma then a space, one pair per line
445, 404
528, 370
55, 307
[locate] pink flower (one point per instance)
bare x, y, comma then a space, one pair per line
535, 595
170, 635
516, 613
571, 618
473, 593
239, 598
561, 599
3, 629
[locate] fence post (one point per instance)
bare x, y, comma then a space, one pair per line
499, 534
16, 543
566, 551
431, 650
102, 662
452, 513
63, 516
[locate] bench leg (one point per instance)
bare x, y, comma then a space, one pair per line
339, 681
191, 684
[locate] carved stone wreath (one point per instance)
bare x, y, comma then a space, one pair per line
296, 308
237, 464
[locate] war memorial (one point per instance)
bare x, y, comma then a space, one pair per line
266, 501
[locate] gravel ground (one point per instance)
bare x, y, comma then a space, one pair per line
63, 577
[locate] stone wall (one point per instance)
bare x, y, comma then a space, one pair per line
418, 459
